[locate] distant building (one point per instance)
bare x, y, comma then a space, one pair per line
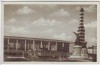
92, 50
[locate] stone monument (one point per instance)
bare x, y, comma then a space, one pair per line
80, 49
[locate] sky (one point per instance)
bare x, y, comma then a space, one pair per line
50, 21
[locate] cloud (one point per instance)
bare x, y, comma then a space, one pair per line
45, 22
12, 20
91, 41
63, 36
25, 10
91, 33
50, 31
47, 33
52, 6
18, 30
73, 21
61, 12
92, 24
91, 8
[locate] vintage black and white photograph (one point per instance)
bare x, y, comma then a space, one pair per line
50, 32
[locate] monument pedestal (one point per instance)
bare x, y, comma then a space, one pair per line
79, 53
84, 53
77, 50
76, 53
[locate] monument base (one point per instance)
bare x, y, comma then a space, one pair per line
77, 53
76, 58
84, 53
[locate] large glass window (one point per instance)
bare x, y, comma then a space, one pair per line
66, 47
53, 46
21, 44
59, 46
29, 45
37, 45
12, 44
45, 44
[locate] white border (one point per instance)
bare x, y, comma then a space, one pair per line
50, 0
69, 3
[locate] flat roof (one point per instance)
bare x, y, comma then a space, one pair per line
41, 39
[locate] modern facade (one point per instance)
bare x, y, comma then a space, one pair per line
35, 47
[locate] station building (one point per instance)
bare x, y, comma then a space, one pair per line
36, 47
